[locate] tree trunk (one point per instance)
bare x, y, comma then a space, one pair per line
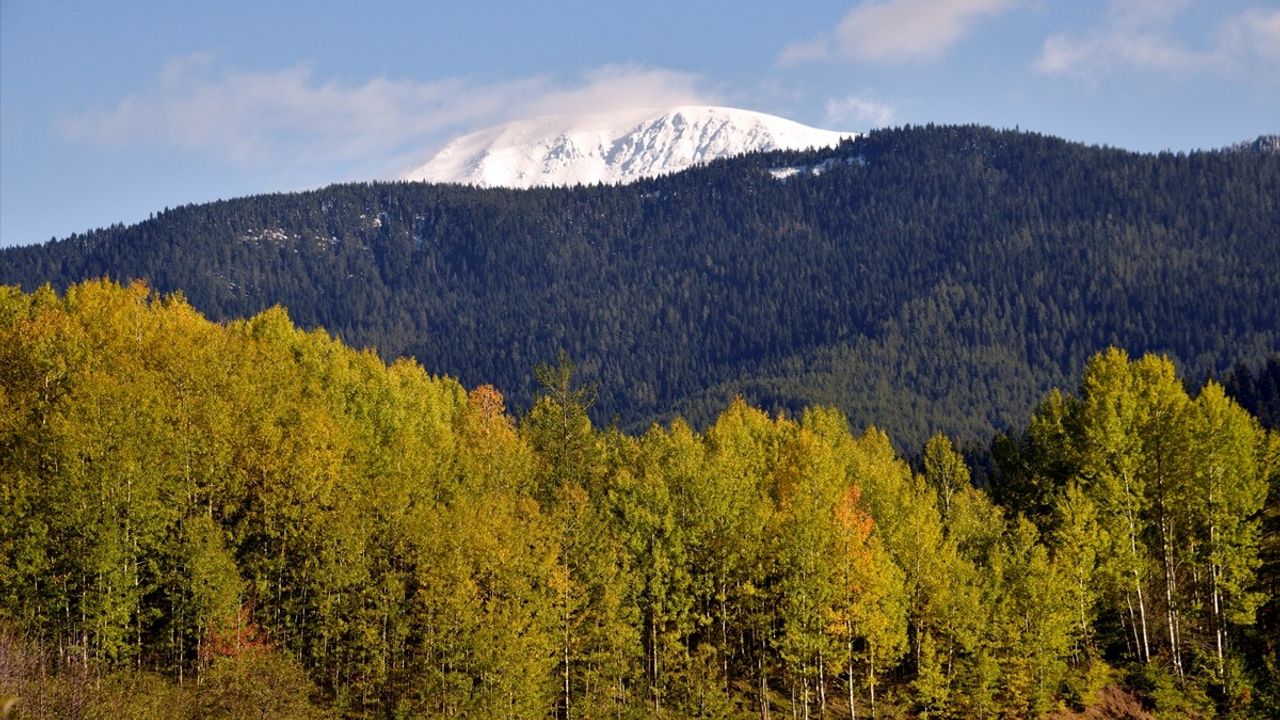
1144, 648
764, 686
653, 645
1084, 619
853, 713
724, 635
566, 668
822, 686
1215, 571
1170, 612
1133, 625
871, 676
804, 694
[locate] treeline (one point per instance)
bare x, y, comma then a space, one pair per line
931, 279
207, 520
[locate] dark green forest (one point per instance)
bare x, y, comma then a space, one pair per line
248, 520
929, 279
1257, 389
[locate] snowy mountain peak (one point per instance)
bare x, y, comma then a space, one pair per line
620, 146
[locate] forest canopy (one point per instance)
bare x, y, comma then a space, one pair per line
929, 279
247, 519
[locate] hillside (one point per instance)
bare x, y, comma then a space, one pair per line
926, 278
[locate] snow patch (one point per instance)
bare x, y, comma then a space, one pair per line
275, 236
617, 147
816, 169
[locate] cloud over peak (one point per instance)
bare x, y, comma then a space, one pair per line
893, 31
287, 116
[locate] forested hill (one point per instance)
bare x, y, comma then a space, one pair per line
926, 278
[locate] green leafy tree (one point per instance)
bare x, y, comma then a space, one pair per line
945, 471
1230, 488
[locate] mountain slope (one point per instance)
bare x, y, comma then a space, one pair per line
929, 278
621, 146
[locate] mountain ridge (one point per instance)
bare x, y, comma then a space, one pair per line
931, 277
616, 147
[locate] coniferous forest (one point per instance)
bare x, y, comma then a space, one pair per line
247, 519
946, 422
928, 279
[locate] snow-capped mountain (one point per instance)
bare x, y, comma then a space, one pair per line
619, 146
1262, 145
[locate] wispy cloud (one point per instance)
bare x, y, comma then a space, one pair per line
1138, 34
858, 112
256, 119
619, 86
895, 31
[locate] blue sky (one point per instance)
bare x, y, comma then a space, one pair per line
112, 110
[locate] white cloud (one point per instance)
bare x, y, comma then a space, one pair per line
858, 112
619, 86
262, 119
897, 30
1138, 34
